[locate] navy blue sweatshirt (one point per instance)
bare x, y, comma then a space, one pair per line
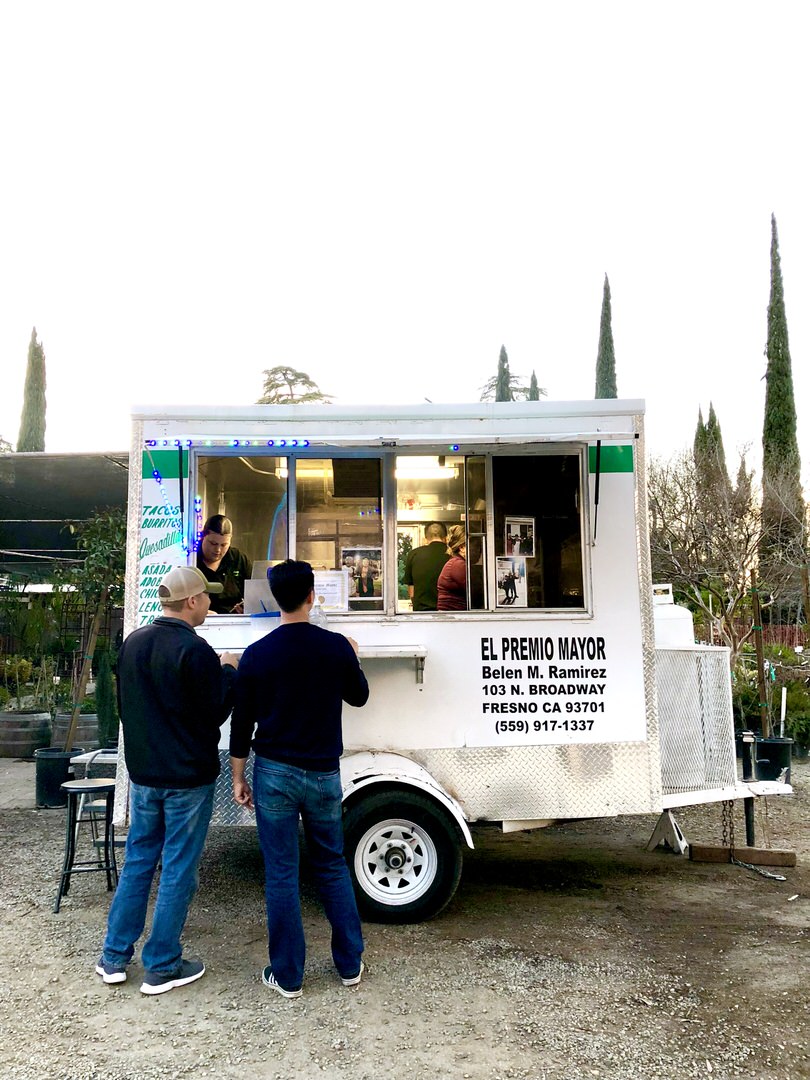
173, 696
290, 687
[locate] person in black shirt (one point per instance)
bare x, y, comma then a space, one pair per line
290, 689
174, 693
224, 564
423, 566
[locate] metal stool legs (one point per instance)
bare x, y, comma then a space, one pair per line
106, 860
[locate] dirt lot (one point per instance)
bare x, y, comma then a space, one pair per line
566, 954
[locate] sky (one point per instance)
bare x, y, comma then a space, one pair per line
382, 195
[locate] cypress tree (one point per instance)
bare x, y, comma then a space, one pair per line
605, 357
106, 707
782, 502
32, 421
712, 485
715, 451
699, 444
508, 387
503, 387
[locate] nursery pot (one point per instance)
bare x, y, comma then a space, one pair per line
52, 769
772, 755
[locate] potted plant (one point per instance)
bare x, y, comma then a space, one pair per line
99, 580
25, 719
797, 716
26, 672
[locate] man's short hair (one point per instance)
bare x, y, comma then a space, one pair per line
218, 523
436, 530
291, 582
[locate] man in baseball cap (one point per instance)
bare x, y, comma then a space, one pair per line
174, 694
183, 582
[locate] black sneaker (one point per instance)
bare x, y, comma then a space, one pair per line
188, 972
269, 979
353, 980
110, 973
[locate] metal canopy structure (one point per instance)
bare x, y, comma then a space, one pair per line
41, 493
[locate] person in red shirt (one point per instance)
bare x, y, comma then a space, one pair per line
452, 583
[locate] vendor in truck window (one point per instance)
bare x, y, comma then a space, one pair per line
218, 561
424, 566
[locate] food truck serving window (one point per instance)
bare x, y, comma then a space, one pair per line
512, 523
339, 523
474, 532
252, 492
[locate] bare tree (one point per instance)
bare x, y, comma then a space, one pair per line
706, 541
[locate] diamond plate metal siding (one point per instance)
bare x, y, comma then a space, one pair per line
523, 782
697, 723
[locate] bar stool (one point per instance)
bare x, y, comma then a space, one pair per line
76, 790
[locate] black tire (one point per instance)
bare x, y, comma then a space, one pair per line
404, 855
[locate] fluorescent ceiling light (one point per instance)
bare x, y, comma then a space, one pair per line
435, 472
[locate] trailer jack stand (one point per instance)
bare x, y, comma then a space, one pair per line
668, 832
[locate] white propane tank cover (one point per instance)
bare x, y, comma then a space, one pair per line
673, 624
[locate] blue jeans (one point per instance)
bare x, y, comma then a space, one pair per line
280, 794
168, 824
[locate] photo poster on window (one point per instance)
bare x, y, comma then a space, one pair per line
519, 536
332, 589
364, 567
510, 573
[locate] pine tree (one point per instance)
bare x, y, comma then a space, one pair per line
605, 357
32, 421
283, 385
783, 507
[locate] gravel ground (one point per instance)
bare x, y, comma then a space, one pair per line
568, 953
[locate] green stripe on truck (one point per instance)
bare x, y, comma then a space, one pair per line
613, 458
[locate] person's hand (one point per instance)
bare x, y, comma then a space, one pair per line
238, 609
353, 644
229, 658
242, 794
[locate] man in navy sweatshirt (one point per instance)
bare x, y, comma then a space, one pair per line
290, 688
174, 693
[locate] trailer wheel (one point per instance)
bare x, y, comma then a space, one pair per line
404, 856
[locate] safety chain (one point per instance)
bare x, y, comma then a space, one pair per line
728, 841
728, 826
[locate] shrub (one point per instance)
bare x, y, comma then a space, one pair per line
797, 712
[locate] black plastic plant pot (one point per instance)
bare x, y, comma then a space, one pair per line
772, 756
52, 769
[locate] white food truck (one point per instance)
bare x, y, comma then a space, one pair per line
545, 699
